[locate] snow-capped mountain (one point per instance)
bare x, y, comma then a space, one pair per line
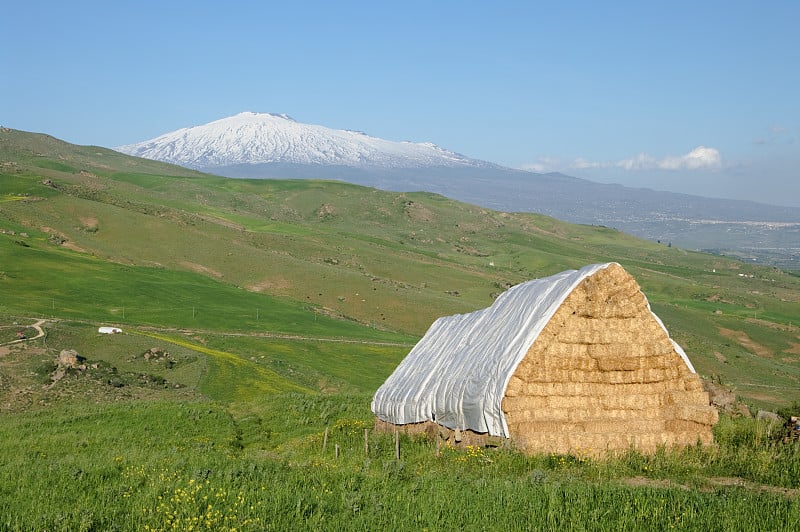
260, 138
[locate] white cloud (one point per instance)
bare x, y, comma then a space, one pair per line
583, 164
700, 158
642, 161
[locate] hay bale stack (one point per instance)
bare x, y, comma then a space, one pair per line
604, 375
573, 363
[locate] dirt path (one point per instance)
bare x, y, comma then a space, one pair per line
36, 326
280, 336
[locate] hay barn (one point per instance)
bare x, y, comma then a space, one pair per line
572, 363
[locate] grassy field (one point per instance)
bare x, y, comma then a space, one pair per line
155, 465
276, 308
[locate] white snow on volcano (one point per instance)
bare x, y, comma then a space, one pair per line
258, 138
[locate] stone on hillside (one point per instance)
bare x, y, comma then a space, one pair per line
769, 416
69, 358
720, 397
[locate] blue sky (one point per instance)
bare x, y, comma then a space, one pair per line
695, 97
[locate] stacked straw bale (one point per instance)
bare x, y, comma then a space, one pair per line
604, 376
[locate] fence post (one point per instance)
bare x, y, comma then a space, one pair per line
366, 442
325, 440
396, 444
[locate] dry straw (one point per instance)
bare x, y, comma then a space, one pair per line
604, 376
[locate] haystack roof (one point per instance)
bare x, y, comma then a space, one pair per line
458, 373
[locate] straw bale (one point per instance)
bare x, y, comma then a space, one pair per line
584, 363
603, 332
690, 383
633, 426
563, 349
691, 412
516, 386
627, 413
685, 397
549, 427
682, 425
537, 414
573, 401
635, 349
632, 401
538, 389
612, 362
522, 402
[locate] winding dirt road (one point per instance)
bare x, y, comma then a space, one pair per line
39, 332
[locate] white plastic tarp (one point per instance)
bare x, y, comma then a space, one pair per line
458, 372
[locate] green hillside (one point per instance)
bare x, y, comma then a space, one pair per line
94, 235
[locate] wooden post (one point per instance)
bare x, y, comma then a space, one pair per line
438, 444
336, 451
325, 440
396, 444
366, 442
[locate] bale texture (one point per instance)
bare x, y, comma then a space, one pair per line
604, 376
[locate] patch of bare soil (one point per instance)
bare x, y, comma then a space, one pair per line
739, 482
742, 339
795, 349
765, 397
88, 222
276, 283
644, 482
74, 247
223, 222
199, 268
418, 212
713, 482
326, 211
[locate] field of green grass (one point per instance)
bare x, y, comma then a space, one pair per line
261, 465
279, 307
119, 240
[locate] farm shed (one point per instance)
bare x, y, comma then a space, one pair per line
575, 362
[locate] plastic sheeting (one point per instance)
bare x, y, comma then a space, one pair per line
458, 372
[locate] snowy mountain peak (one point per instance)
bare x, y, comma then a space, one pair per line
258, 138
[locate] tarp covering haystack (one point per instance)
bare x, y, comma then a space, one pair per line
573, 363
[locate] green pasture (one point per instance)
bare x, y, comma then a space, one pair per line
154, 465
133, 242
51, 282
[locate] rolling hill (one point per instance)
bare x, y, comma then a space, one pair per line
327, 284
